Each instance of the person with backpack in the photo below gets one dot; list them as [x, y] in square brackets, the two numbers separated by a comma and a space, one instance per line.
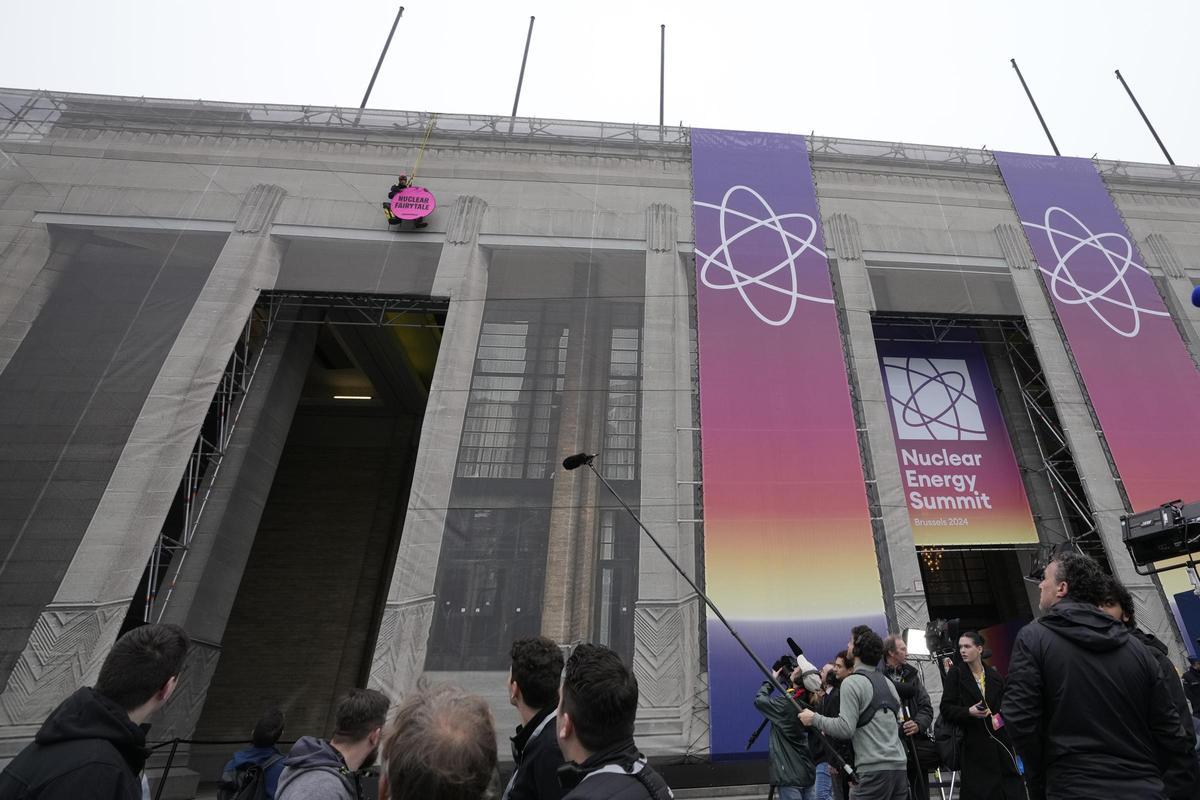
[869, 708]
[596, 711]
[253, 772]
[319, 769]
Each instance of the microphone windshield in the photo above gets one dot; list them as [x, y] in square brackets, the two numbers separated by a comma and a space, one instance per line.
[576, 461]
[796, 649]
[1196, 296]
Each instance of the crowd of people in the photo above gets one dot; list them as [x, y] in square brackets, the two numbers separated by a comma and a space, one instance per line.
[1092, 707]
[575, 740]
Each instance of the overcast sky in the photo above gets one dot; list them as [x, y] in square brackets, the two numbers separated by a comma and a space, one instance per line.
[929, 72]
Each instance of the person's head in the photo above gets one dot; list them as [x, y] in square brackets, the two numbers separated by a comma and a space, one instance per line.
[866, 647]
[826, 674]
[855, 632]
[1072, 576]
[533, 677]
[142, 669]
[359, 722]
[895, 651]
[440, 745]
[598, 702]
[1194, 663]
[841, 665]
[1117, 602]
[970, 647]
[268, 729]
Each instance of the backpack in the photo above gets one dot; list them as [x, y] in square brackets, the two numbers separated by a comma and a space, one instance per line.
[247, 782]
[881, 699]
[948, 738]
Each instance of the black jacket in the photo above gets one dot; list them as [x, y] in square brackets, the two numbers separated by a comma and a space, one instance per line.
[1191, 688]
[1089, 713]
[831, 706]
[87, 749]
[988, 769]
[1170, 678]
[913, 695]
[536, 760]
[791, 762]
[620, 773]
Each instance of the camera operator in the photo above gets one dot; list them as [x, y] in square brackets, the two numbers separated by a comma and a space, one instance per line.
[869, 717]
[915, 707]
[791, 762]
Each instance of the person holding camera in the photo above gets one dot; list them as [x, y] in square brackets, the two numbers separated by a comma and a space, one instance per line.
[971, 698]
[791, 767]
[869, 708]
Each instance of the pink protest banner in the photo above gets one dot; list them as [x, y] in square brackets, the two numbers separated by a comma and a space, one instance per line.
[413, 203]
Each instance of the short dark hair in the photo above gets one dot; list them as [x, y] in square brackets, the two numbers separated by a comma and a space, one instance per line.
[269, 728]
[141, 662]
[974, 636]
[600, 695]
[537, 666]
[1115, 593]
[1084, 578]
[891, 642]
[868, 647]
[441, 744]
[360, 712]
[844, 655]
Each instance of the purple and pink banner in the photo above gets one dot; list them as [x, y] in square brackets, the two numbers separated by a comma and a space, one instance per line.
[788, 543]
[961, 482]
[1138, 373]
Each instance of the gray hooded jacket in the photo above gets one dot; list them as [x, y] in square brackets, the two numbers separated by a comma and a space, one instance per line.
[315, 770]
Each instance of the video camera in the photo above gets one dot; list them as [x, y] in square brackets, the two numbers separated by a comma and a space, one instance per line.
[787, 663]
[941, 637]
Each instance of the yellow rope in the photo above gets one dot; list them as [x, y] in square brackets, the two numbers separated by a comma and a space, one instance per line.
[420, 153]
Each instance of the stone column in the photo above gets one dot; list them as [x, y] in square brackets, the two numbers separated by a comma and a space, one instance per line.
[208, 580]
[672, 712]
[1083, 438]
[74, 633]
[462, 275]
[898, 566]
[1167, 267]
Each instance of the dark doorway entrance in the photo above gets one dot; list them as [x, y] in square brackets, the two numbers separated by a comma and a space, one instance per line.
[303, 627]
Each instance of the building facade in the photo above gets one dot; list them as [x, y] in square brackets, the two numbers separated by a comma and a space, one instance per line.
[232, 397]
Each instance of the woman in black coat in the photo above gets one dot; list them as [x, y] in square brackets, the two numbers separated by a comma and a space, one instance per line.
[988, 768]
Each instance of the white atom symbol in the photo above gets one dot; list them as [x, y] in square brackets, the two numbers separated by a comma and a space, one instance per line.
[933, 398]
[1066, 288]
[793, 247]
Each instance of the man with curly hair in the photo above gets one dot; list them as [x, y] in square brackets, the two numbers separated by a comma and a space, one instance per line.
[1086, 706]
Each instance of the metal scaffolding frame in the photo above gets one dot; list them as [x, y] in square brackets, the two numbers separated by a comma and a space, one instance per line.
[225, 409]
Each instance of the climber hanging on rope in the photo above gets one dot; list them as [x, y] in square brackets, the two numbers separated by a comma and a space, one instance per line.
[402, 183]
[406, 200]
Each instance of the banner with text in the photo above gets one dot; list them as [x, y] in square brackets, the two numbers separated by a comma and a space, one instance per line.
[1137, 371]
[788, 543]
[960, 476]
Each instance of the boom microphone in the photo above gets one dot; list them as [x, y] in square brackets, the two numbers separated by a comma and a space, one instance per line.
[1196, 296]
[576, 461]
[797, 650]
[580, 459]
